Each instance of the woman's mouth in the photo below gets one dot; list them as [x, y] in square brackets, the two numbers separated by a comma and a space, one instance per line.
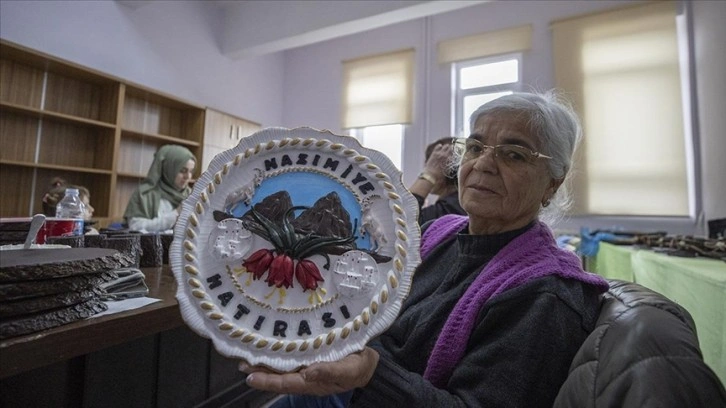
[483, 189]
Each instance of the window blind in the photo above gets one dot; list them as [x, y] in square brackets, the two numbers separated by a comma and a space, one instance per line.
[378, 90]
[485, 44]
[621, 70]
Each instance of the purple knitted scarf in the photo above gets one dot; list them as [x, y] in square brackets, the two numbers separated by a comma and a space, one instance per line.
[533, 254]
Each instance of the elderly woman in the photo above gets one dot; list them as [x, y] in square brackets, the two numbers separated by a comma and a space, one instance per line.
[496, 311]
[438, 178]
[154, 206]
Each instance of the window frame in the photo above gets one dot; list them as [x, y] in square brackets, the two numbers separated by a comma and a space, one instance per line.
[457, 114]
[359, 134]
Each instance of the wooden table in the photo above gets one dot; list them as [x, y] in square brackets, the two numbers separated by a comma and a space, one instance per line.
[24, 353]
[125, 359]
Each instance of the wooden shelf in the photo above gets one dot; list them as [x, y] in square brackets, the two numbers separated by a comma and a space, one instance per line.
[158, 116]
[132, 175]
[44, 62]
[59, 119]
[30, 182]
[55, 167]
[159, 98]
[159, 138]
[63, 91]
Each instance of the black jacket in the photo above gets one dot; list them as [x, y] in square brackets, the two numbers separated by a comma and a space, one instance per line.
[643, 353]
[519, 351]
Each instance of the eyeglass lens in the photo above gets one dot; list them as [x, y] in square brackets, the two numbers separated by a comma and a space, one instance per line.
[511, 154]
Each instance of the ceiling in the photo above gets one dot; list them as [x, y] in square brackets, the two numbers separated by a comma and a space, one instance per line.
[253, 27]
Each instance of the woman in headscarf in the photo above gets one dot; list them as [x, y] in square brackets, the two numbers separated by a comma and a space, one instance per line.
[154, 206]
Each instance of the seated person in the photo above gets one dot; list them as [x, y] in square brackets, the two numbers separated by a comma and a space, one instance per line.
[154, 206]
[438, 178]
[496, 311]
[57, 191]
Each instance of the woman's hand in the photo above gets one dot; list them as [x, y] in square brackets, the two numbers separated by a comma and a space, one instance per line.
[438, 161]
[353, 371]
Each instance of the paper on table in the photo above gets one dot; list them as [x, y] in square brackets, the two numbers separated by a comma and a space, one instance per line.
[118, 306]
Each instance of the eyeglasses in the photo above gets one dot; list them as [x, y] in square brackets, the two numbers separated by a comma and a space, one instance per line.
[472, 149]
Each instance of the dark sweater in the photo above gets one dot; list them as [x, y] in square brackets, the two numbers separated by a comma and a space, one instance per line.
[448, 204]
[518, 354]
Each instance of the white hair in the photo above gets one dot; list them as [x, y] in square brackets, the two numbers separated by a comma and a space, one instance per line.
[555, 123]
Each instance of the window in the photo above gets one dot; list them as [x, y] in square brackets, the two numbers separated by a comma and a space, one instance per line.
[480, 81]
[378, 90]
[387, 139]
[623, 71]
[377, 95]
[485, 66]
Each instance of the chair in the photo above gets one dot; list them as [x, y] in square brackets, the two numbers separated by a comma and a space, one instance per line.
[643, 353]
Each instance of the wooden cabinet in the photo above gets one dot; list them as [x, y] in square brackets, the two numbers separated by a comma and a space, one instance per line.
[58, 119]
[223, 131]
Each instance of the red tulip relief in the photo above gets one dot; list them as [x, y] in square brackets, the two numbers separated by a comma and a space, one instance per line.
[289, 258]
[258, 262]
[281, 271]
[307, 273]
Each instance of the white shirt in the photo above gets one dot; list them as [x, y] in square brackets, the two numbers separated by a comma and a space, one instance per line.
[164, 221]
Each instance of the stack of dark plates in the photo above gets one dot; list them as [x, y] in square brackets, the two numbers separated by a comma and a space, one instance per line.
[45, 288]
[14, 230]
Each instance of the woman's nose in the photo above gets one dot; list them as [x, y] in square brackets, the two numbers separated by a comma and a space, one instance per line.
[487, 161]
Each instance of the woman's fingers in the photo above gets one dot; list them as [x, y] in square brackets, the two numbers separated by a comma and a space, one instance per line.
[288, 383]
[439, 159]
[292, 383]
[351, 372]
[245, 367]
[355, 370]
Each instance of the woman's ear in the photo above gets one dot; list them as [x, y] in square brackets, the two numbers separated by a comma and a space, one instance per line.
[555, 184]
[552, 189]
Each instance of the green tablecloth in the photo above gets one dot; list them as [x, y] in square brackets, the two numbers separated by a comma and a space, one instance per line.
[697, 284]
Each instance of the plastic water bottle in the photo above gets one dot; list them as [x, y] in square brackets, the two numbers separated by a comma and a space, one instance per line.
[71, 207]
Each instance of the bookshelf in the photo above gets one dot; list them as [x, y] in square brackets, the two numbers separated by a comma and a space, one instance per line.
[59, 119]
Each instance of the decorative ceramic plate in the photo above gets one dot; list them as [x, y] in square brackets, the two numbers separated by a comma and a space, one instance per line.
[295, 246]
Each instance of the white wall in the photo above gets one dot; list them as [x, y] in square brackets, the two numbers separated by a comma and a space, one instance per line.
[313, 91]
[168, 46]
[313, 73]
